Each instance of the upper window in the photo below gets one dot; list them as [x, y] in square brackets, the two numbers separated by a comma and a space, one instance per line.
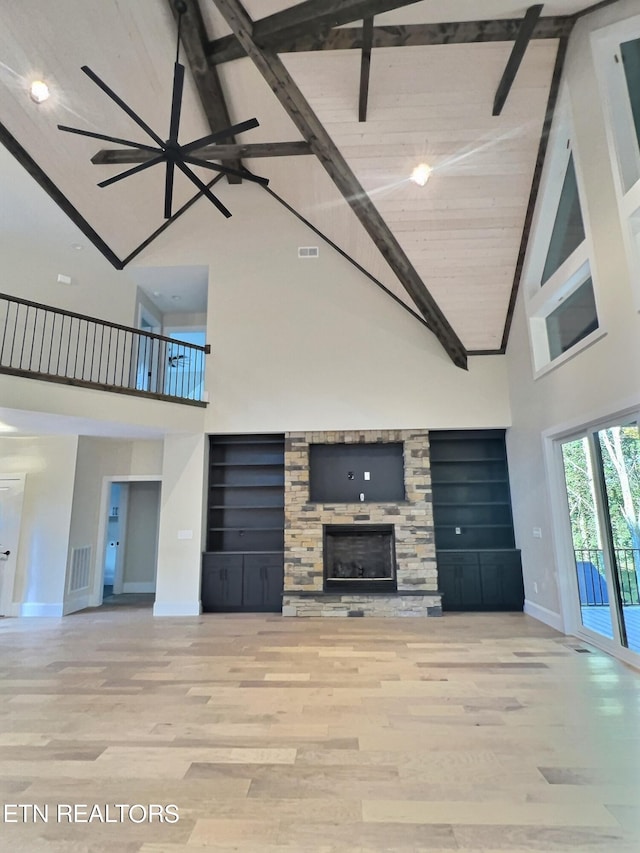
[568, 228]
[561, 304]
[630, 52]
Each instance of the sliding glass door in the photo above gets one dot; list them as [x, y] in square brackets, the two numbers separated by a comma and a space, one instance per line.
[602, 478]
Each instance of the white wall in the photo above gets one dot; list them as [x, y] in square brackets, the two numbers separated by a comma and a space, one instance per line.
[49, 464]
[599, 381]
[99, 458]
[313, 344]
[181, 538]
[141, 544]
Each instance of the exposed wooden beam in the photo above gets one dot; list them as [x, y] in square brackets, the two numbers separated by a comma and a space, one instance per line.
[224, 153]
[311, 16]
[193, 36]
[285, 89]
[517, 55]
[406, 35]
[535, 184]
[44, 181]
[365, 68]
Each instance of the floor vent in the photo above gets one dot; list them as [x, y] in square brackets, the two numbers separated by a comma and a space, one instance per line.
[80, 568]
[308, 251]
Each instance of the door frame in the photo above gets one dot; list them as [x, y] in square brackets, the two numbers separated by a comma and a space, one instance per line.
[552, 440]
[102, 540]
[7, 605]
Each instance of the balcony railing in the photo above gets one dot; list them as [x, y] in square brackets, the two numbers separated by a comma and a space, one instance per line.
[60, 346]
[592, 583]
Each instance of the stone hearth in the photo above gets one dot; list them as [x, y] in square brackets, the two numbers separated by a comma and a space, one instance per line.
[412, 519]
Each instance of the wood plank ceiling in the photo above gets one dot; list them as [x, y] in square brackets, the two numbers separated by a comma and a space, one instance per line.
[371, 87]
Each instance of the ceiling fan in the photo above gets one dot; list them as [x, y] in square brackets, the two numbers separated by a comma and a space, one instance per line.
[170, 151]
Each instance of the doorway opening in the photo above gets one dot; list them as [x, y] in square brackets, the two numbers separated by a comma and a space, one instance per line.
[11, 499]
[130, 553]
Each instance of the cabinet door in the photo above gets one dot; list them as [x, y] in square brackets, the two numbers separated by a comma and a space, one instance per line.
[501, 577]
[459, 580]
[221, 582]
[263, 582]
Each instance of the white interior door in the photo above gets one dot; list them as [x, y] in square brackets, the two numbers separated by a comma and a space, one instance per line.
[11, 497]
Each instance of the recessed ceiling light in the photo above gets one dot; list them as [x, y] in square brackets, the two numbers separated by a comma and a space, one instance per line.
[77, 246]
[156, 293]
[39, 91]
[176, 298]
[421, 174]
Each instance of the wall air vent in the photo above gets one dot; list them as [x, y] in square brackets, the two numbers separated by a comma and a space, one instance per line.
[80, 568]
[308, 251]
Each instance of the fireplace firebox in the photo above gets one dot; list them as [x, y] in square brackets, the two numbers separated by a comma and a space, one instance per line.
[359, 558]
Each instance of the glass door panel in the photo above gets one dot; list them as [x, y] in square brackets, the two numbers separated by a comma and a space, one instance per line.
[619, 448]
[586, 535]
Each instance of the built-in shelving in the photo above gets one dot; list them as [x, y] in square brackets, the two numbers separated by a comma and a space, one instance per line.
[243, 564]
[478, 565]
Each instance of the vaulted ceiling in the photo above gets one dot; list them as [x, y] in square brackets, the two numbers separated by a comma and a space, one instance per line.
[364, 90]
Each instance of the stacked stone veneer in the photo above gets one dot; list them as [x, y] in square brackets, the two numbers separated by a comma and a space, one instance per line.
[412, 518]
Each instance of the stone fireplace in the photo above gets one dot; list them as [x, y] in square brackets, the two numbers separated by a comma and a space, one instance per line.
[328, 567]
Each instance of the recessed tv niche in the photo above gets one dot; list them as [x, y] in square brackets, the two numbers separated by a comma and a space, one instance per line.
[356, 473]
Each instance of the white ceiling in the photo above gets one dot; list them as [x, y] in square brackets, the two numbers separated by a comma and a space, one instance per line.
[461, 232]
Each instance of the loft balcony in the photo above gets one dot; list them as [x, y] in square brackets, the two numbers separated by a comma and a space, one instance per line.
[41, 342]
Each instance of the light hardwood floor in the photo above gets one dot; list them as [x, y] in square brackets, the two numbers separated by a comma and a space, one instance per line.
[470, 732]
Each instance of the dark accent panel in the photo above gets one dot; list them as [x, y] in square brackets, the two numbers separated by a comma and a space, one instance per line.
[535, 184]
[337, 473]
[312, 16]
[454, 32]
[117, 156]
[11, 144]
[280, 81]
[517, 55]
[194, 37]
[365, 68]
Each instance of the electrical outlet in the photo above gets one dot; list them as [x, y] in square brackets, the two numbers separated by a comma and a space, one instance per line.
[458, 531]
[367, 475]
[537, 533]
[535, 587]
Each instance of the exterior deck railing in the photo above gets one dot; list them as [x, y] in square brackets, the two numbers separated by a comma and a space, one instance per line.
[46, 343]
[592, 582]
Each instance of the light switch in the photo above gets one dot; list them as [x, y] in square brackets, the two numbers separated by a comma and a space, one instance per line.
[367, 475]
[458, 531]
[537, 533]
[361, 496]
[185, 534]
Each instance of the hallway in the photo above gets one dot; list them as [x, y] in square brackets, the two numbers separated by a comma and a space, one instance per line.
[478, 732]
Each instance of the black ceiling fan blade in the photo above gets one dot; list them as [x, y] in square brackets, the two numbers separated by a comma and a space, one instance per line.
[212, 138]
[118, 100]
[176, 101]
[139, 168]
[227, 170]
[168, 189]
[103, 136]
[203, 188]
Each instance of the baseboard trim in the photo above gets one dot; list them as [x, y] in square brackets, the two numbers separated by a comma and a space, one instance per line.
[139, 586]
[542, 614]
[177, 608]
[35, 608]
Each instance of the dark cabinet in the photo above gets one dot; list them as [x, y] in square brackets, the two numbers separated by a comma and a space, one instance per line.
[243, 566]
[480, 580]
[478, 565]
[242, 582]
